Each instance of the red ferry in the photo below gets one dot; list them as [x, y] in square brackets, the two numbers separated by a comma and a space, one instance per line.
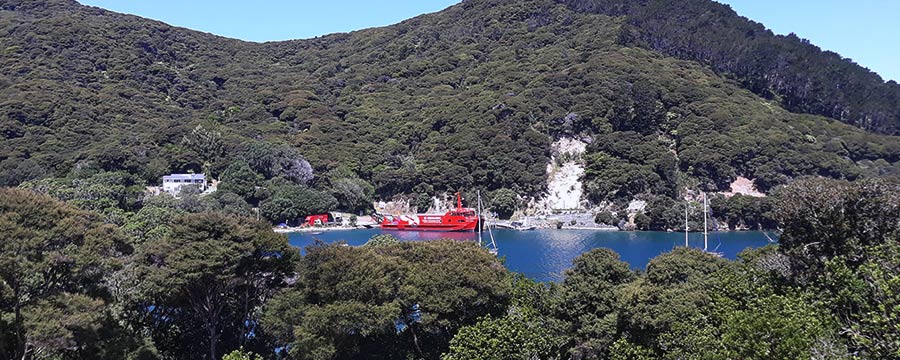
[459, 219]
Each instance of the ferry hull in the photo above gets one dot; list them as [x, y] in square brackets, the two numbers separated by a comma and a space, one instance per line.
[467, 226]
[459, 219]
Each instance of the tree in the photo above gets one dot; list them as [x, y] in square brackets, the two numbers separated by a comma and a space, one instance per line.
[587, 301]
[353, 194]
[606, 218]
[663, 214]
[273, 160]
[241, 354]
[291, 203]
[15, 171]
[665, 310]
[843, 241]
[207, 143]
[825, 219]
[229, 203]
[53, 259]
[381, 240]
[642, 221]
[402, 299]
[240, 179]
[515, 336]
[505, 202]
[208, 278]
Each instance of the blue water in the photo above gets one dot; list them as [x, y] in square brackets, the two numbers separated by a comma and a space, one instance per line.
[543, 255]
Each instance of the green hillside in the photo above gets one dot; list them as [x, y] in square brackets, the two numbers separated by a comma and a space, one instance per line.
[469, 97]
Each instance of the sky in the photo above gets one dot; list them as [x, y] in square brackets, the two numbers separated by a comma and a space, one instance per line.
[863, 30]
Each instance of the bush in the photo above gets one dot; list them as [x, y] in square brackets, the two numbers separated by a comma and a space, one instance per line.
[504, 202]
[605, 218]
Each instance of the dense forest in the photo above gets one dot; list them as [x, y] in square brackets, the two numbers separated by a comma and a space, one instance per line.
[468, 98]
[799, 75]
[671, 97]
[177, 281]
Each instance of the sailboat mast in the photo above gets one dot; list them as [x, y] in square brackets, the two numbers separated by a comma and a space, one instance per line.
[686, 224]
[705, 231]
[480, 226]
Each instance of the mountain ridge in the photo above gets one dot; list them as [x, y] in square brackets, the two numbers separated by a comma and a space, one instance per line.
[416, 107]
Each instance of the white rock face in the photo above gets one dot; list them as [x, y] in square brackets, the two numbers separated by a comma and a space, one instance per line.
[743, 186]
[564, 188]
[636, 206]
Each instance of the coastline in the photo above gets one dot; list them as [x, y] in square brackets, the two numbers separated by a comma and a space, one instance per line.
[290, 230]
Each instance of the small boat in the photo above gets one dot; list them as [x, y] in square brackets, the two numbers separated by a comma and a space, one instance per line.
[316, 233]
[459, 219]
[516, 225]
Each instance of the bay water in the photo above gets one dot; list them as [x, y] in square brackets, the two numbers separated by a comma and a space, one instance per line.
[544, 255]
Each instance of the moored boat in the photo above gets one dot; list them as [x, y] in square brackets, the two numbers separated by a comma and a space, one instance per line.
[458, 219]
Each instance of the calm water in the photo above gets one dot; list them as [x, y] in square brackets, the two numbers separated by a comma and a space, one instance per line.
[543, 255]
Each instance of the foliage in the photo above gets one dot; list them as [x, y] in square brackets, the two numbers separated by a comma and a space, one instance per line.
[207, 280]
[606, 218]
[291, 203]
[393, 300]
[504, 202]
[516, 336]
[240, 179]
[278, 161]
[353, 194]
[382, 240]
[403, 108]
[241, 354]
[586, 301]
[713, 34]
[741, 210]
[842, 240]
[53, 259]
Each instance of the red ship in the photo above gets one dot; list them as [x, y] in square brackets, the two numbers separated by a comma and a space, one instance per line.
[459, 219]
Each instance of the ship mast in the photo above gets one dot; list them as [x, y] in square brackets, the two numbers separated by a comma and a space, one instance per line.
[480, 226]
[705, 231]
[493, 249]
[686, 224]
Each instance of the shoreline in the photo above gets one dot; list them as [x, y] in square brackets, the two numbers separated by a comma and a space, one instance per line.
[292, 230]
[289, 230]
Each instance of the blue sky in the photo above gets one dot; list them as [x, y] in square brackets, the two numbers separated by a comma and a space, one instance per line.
[864, 30]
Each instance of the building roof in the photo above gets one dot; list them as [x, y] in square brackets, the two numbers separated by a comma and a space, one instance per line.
[185, 177]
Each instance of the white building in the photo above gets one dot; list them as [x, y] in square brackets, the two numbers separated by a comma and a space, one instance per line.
[172, 184]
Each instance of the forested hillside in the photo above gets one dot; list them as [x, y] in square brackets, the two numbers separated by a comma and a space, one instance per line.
[466, 98]
[799, 75]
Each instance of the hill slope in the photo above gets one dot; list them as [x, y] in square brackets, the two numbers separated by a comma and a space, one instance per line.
[470, 97]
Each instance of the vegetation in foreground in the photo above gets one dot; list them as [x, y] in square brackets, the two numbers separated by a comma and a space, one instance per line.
[169, 284]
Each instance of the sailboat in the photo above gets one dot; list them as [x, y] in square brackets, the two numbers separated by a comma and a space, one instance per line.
[481, 224]
[705, 228]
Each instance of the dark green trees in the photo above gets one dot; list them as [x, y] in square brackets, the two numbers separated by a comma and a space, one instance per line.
[504, 202]
[205, 282]
[383, 302]
[290, 204]
[53, 260]
[842, 240]
[587, 302]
